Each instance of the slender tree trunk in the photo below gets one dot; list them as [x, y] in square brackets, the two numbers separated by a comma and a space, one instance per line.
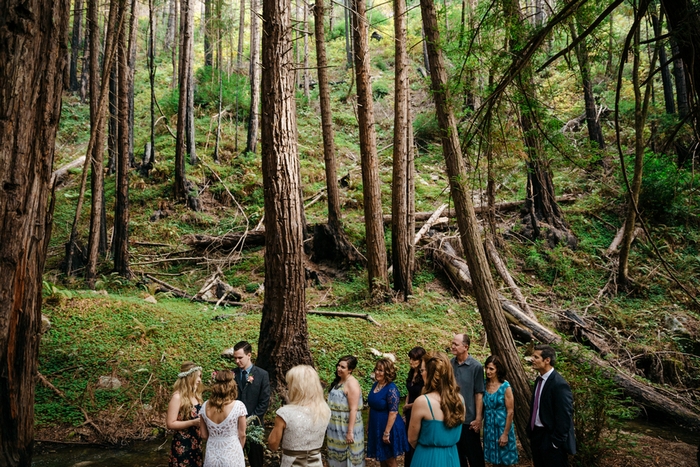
[97, 239]
[183, 189]
[131, 65]
[120, 246]
[114, 25]
[330, 241]
[496, 327]
[112, 135]
[206, 26]
[348, 40]
[283, 328]
[176, 41]
[31, 82]
[641, 105]
[305, 27]
[152, 80]
[595, 133]
[169, 43]
[376, 249]
[189, 123]
[75, 44]
[402, 212]
[241, 30]
[665, 72]
[253, 115]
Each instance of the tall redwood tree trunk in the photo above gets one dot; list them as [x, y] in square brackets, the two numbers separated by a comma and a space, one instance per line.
[253, 115]
[33, 38]
[283, 329]
[402, 208]
[499, 337]
[374, 226]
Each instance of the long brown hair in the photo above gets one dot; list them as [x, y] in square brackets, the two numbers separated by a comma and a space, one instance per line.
[185, 386]
[439, 377]
[224, 389]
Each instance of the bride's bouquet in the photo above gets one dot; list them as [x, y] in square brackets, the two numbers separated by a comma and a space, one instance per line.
[254, 432]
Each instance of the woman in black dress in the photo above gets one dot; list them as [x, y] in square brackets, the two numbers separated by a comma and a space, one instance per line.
[183, 418]
[414, 385]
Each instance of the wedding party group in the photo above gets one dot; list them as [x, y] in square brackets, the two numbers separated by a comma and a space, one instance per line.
[450, 402]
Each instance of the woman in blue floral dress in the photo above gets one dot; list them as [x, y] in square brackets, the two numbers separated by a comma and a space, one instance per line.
[386, 433]
[499, 433]
[183, 418]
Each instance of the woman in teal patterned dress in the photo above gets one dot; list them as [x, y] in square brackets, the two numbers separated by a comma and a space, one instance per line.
[437, 415]
[499, 433]
[345, 436]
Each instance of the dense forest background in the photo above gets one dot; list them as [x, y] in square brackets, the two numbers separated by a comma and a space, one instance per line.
[234, 170]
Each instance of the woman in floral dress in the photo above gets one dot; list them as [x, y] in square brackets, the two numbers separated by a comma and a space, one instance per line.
[183, 418]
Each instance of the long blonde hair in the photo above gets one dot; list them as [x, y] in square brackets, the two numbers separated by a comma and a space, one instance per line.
[439, 377]
[188, 388]
[304, 389]
[224, 389]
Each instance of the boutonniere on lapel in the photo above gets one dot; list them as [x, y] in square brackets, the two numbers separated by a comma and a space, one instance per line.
[250, 379]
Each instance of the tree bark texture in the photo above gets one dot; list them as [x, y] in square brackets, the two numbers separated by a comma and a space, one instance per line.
[640, 115]
[120, 245]
[207, 25]
[33, 38]
[332, 191]
[595, 133]
[175, 44]
[497, 331]
[402, 208]
[182, 188]
[371, 184]
[75, 44]
[241, 30]
[97, 239]
[283, 328]
[169, 40]
[666, 80]
[253, 115]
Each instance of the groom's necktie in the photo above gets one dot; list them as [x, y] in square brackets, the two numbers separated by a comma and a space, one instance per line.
[243, 377]
[536, 403]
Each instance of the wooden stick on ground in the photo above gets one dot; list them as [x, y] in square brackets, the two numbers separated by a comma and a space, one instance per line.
[431, 221]
[342, 314]
[178, 292]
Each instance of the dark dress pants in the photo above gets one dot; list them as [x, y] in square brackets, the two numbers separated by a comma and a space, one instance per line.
[544, 454]
[471, 454]
[256, 454]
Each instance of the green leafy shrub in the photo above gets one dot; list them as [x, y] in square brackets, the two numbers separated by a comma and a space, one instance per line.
[379, 90]
[426, 129]
[234, 91]
[665, 189]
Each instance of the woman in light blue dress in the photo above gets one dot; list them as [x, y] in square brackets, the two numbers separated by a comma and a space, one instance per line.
[437, 415]
[499, 433]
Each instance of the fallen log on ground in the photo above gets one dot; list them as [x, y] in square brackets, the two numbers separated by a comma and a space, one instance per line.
[641, 392]
[342, 314]
[60, 173]
[499, 207]
[228, 242]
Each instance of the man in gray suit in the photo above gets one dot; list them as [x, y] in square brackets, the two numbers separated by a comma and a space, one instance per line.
[254, 391]
[551, 426]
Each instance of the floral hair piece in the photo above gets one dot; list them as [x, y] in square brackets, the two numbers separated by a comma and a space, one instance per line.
[184, 374]
[213, 376]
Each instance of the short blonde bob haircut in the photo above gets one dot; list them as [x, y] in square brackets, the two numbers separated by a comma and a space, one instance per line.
[304, 389]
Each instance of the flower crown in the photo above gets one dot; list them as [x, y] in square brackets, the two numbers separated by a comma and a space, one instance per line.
[184, 374]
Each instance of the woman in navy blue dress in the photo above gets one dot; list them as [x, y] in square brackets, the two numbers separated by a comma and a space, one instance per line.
[414, 386]
[386, 432]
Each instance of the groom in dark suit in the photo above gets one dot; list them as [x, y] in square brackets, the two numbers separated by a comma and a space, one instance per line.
[551, 426]
[254, 391]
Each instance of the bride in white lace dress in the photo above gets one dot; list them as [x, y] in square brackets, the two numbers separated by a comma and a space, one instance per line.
[300, 426]
[223, 423]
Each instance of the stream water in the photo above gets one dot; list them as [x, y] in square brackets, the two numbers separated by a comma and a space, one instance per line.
[155, 453]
